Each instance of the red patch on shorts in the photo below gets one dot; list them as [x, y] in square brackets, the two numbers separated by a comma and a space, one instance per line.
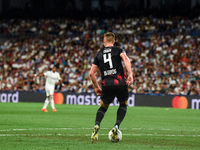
[119, 77]
[116, 82]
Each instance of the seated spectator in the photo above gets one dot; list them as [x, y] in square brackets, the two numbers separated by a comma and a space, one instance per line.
[162, 63]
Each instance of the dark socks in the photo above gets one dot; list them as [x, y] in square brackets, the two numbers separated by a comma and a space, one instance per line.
[121, 114]
[99, 116]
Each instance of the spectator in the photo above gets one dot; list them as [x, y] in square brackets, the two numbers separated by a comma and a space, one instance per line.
[163, 62]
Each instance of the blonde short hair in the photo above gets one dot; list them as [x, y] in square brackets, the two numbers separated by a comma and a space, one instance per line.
[109, 37]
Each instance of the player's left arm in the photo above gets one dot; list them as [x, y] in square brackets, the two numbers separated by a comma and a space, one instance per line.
[127, 63]
[93, 70]
[60, 80]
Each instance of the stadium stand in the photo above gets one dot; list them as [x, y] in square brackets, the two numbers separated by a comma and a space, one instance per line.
[164, 52]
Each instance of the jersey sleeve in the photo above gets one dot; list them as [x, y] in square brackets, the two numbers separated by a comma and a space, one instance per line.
[46, 73]
[59, 78]
[122, 51]
[96, 62]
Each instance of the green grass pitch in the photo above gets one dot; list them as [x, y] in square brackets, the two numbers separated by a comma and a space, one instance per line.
[23, 126]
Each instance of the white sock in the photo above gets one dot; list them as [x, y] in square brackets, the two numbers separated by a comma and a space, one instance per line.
[46, 103]
[52, 102]
[116, 126]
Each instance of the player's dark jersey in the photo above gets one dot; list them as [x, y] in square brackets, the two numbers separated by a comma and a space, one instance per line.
[109, 62]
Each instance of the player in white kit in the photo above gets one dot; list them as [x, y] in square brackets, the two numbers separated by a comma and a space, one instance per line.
[52, 78]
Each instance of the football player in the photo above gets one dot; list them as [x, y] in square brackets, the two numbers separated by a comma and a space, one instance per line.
[114, 82]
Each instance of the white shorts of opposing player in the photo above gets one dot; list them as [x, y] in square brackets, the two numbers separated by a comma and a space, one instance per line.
[49, 97]
[51, 79]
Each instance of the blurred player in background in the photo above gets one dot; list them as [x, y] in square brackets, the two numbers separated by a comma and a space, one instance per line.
[114, 82]
[52, 78]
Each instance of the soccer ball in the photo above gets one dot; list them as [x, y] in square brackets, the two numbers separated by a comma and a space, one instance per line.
[119, 136]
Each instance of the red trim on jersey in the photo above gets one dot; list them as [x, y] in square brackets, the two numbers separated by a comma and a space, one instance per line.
[103, 82]
[116, 82]
[124, 76]
[119, 77]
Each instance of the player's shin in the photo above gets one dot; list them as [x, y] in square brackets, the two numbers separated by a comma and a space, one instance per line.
[99, 116]
[51, 102]
[46, 103]
[121, 112]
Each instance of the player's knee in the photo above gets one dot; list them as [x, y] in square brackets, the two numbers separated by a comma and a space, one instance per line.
[124, 102]
[105, 106]
[103, 109]
[123, 105]
[50, 97]
[102, 104]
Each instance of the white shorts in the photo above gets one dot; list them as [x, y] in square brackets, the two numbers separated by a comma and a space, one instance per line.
[49, 91]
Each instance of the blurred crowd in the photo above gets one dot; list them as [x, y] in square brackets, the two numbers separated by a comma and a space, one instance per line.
[96, 26]
[164, 53]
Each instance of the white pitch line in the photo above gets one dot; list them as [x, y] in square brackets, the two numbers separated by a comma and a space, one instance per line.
[54, 129]
[59, 134]
[151, 129]
[18, 129]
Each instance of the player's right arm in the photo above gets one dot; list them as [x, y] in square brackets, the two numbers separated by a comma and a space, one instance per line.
[39, 74]
[127, 63]
[93, 70]
[36, 75]
[60, 80]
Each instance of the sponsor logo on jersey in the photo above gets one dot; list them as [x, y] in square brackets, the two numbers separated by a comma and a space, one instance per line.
[52, 78]
[110, 72]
